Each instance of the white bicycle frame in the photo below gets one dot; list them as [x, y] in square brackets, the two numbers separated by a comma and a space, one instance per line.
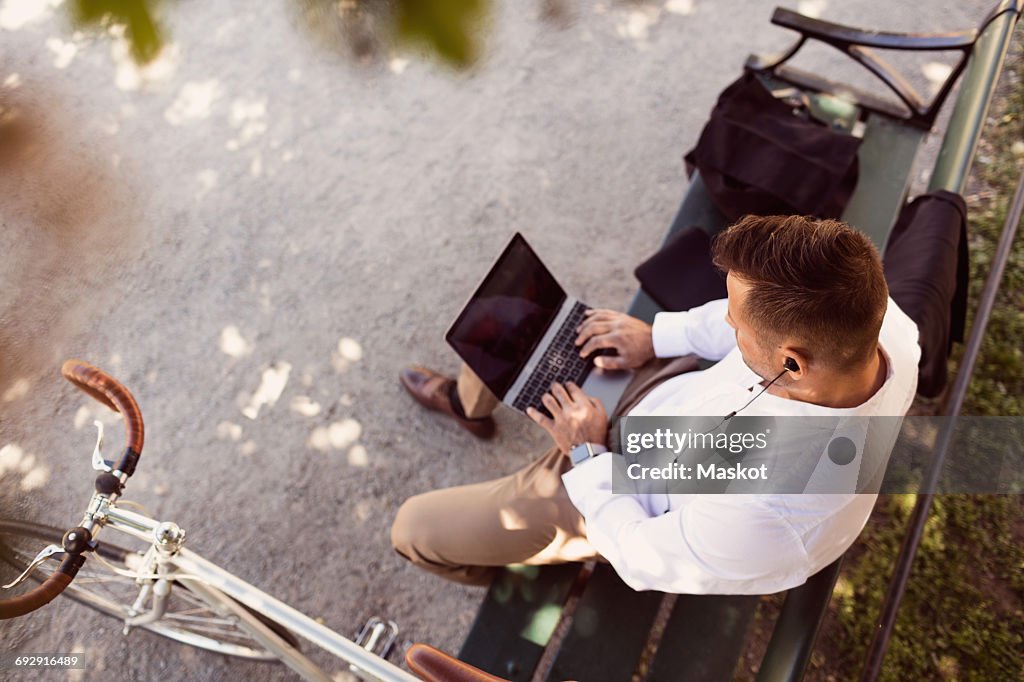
[218, 587]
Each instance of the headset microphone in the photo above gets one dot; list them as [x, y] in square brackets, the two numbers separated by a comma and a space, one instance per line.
[790, 365]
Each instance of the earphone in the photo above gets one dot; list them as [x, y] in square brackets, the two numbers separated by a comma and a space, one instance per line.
[790, 365]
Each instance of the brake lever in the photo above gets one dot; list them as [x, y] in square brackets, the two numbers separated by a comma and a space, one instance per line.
[98, 463]
[40, 558]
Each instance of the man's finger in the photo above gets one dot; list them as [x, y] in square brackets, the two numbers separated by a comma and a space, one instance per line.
[597, 343]
[590, 329]
[558, 390]
[599, 311]
[599, 316]
[610, 362]
[576, 392]
[550, 403]
[538, 417]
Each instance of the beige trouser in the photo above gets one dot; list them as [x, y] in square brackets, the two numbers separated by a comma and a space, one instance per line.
[465, 533]
[477, 400]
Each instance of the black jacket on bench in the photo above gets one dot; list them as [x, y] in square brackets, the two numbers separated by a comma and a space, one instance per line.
[926, 268]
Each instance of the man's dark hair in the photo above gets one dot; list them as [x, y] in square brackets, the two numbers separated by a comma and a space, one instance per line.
[819, 281]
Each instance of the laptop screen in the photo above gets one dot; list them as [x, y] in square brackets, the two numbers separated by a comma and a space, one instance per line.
[497, 331]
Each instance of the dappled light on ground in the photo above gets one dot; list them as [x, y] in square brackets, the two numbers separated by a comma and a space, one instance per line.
[358, 457]
[812, 8]
[207, 180]
[305, 406]
[232, 343]
[19, 388]
[346, 354]
[94, 411]
[364, 508]
[336, 436]
[16, 14]
[194, 102]
[229, 431]
[339, 436]
[129, 74]
[683, 7]
[272, 383]
[635, 21]
[397, 65]
[937, 73]
[63, 52]
[14, 461]
[638, 22]
[249, 118]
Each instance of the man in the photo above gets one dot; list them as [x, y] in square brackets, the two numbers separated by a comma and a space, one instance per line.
[807, 318]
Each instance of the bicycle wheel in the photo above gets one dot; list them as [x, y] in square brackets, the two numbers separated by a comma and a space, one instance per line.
[188, 618]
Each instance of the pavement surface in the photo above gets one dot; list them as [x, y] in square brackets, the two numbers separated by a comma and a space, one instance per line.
[256, 233]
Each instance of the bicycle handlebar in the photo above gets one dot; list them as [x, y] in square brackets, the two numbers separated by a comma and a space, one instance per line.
[49, 590]
[112, 393]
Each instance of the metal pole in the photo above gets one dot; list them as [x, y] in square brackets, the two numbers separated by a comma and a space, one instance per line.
[968, 118]
[918, 517]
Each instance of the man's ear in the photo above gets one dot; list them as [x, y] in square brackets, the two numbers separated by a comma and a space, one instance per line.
[793, 361]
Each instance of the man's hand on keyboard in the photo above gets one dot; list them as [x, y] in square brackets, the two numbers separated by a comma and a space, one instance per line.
[629, 337]
[575, 417]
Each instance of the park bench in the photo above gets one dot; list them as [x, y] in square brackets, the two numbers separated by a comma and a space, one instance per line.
[702, 637]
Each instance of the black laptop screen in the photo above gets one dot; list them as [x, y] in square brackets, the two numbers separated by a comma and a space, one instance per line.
[502, 324]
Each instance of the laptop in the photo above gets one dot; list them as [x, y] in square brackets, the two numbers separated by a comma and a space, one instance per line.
[518, 333]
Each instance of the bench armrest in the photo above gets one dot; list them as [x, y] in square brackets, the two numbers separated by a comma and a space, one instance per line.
[844, 36]
[858, 44]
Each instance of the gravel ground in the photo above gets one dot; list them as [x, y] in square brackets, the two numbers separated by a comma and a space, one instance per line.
[255, 234]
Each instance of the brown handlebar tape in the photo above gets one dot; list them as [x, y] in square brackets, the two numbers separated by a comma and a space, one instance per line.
[39, 597]
[111, 393]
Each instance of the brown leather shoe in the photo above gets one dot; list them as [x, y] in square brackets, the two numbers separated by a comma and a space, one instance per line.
[433, 391]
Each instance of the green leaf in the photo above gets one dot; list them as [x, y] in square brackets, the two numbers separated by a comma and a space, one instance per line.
[449, 27]
[141, 30]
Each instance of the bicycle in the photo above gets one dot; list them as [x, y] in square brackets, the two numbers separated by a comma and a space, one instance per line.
[166, 588]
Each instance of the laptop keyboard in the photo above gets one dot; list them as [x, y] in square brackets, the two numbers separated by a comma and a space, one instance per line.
[561, 363]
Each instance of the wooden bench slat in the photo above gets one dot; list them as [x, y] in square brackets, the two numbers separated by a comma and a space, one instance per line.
[703, 639]
[609, 630]
[516, 619]
[886, 159]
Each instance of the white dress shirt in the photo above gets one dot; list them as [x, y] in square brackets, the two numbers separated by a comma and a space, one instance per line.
[731, 543]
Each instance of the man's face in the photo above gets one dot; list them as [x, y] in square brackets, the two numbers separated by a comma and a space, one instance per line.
[756, 354]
